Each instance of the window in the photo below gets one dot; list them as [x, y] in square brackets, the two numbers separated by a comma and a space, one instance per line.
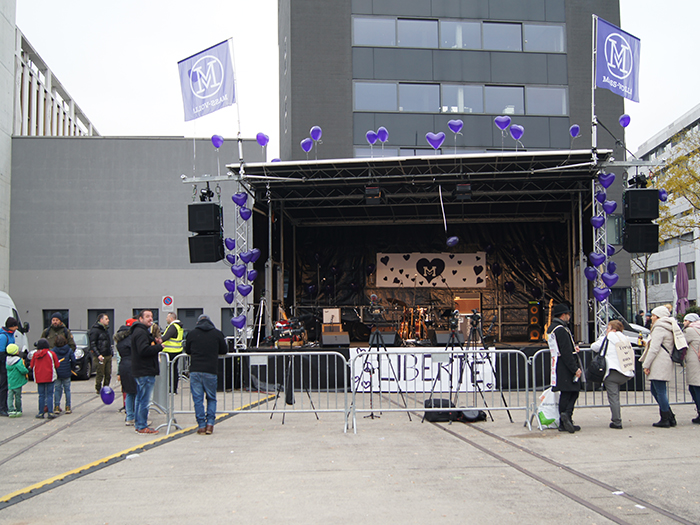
[501, 100]
[418, 152]
[419, 97]
[374, 31]
[664, 276]
[544, 38]
[546, 101]
[690, 268]
[503, 37]
[379, 151]
[462, 99]
[417, 33]
[188, 317]
[375, 96]
[460, 35]
[614, 229]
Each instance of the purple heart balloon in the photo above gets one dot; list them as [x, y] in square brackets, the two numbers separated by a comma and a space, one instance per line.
[238, 322]
[311, 289]
[601, 196]
[612, 267]
[609, 207]
[316, 133]
[574, 131]
[217, 140]
[610, 278]
[244, 289]
[255, 254]
[606, 179]
[246, 257]
[276, 160]
[590, 273]
[596, 258]
[517, 131]
[502, 122]
[663, 195]
[601, 294]
[238, 270]
[382, 134]
[245, 213]
[452, 241]
[262, 139]
[435, 139]
[624, 120]
[230, 243]
[509, 286]
[252, 275]
[597, 221]
[536, 292]
[455, 125]
[228, 297]
[610, 250]
[307, 144]
[231, 258]
[230, 285]
[371, 136]
[240, 199]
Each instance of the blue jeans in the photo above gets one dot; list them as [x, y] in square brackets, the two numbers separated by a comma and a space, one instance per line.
[61, 385]
[129, 404]
[202, 383]
[45, 396]
[658, 390]
[144, 389]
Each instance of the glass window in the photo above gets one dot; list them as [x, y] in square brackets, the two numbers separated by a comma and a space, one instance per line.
[503, 37]
[418, 152]
[690, 268]
[365, 152]
[375, 96]
[462, 99]
[543, 38]
[546, 101]
[374, 31]
[419, 97]
[460, 35]
[501, 100]
[417, 33]
[663, 274]
[614, 230]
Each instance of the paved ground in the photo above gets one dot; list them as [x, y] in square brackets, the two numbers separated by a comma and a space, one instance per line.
[254, 469]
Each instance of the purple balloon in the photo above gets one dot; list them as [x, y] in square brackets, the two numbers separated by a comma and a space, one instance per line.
[612, 267]
[590, 273]
[217, 140]
[517, 131]
[307, 144]
[536, 292]
[606, 179]
[525, 266]
[502, 122]
[240, 199]
[228, 297]
[252, 275]
[382, 134]
[509, 286]
[455, 125]
[245, 213]
[610, 278]
[489, 249]
[624, 120]
[371, 136]
[663, 195]
[239, 322]
[244, 289]
[262, 139]
[610, 250]
[601, 294]
[255, 254]
[496, 269]
[452, 241]
[597, 221]
[316, 132]
[609, 207]
[601, 196]
[596, 258]
[574, 131]
[246, 257]
[311, 289]
[334, 270]
[107, 395]
[276, 160]
[230, 285]
[231, 258]
[370, 268]
[552, 285]
[230, 243]
[238, 270]
[435, 139]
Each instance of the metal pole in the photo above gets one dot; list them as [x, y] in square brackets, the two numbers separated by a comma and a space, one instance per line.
[594, 121]
[269, 267]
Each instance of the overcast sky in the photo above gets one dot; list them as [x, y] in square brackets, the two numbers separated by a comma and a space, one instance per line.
[118, 60]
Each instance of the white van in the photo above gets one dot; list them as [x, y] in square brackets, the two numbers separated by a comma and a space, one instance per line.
[8, 309]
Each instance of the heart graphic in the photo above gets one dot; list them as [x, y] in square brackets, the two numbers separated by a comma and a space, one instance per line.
[391, 269]
[252, 275]
[478, 270]
[459, 262]
[454, 272]
[385, 279]
[435, 139]
[434, 284]
[401, 271]
[365, 384]
[371, 136]
[478, 258]
[452, 256]
[396, 280]
[430, 269]
[406, 257]
[479, 280]
[612, 267]
[384, 260]
[455, 125]
[421, 283]
[464, 279]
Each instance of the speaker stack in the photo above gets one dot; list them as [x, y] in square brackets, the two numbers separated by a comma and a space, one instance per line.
[535, 321]
[204, 219]
[641, 206]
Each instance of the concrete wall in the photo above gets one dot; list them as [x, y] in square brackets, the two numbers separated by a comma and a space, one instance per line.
[7, 82]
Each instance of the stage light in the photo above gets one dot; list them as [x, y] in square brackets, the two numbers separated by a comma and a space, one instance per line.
[463, 192]
[373, 195]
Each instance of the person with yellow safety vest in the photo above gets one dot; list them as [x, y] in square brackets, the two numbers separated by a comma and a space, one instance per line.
[173, 338]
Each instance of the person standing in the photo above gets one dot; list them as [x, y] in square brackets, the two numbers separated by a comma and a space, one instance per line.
[16, 379]
[66, 360]
[691, 323]
[57, 327]
[123, 341]
[44, 364]
[204, 345]
[566, 372]
[7, 337]
[639, 318]
[144, 367]
[173, 337]
[101, 350]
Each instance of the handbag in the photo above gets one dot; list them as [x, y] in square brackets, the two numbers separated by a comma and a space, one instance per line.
[595, 371]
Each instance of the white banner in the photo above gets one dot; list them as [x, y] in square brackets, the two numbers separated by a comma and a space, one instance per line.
[431, 270]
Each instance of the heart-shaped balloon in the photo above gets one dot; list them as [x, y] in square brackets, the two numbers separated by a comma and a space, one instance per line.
[610, 278]
[262, 139]
[496, 269]
[609, 207]
[244, 289]
[552, 285]
[509, 286]
[596, 258]
[230, 243]
[601, 196]
[517, 131]
[276, 160]
[238, 322]
[252, 275]
[245, 213]
[231, 258]
[597, 221]
[316, 133]
[610, 250]
[255, 254]
[382, 134]
[238, 270]
[502, 122]
[230, 285]
[307, 144]
[311, 289]
[217, 140]
[574, 131]
[606, 179]
[612, 267]
[246, 257]
[371, 136]
[228, 297]
[624, 120]
[240, 199]
[663, 195]
[536, 292]
[601, 294]
[590, 273]
[435, 139]
[455, 125]
[452, 241]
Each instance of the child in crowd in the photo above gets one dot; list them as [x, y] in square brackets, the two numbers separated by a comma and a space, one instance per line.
[44, 364]
[16, 379]
[66, 361]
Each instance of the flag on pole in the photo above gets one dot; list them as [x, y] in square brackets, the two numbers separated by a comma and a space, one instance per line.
[617, 64]
[206, 80]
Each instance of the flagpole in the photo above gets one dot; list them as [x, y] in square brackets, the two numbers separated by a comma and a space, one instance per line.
[237, 104]
[594, 53]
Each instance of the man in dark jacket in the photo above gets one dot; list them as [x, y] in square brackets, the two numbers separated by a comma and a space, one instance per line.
[123, 341]
[566, 372]
[57, 327]
[101, 350]
[204, 345]
[144, 366]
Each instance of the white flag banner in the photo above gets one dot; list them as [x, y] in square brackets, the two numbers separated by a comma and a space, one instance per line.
[431, 270]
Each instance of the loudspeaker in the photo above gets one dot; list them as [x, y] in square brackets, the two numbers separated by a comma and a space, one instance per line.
[441, 337]
[641, 238]
[204, 217]
[535, 320]
[335, 339]
[206, 248]
[641, 204]
[389, 337]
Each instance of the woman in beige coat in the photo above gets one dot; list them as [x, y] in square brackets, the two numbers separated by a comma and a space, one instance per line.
[691, 323]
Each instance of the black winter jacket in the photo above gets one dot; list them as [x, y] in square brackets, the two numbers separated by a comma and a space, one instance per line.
[144, 351]
[205, 344]
[567, 363]
[123, 340]
[100, 342]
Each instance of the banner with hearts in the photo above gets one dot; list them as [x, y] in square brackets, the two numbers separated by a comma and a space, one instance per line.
[431, 270]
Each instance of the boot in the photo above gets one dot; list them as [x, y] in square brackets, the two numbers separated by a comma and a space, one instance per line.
[566, 423]
[664, 422]
[571, 417]
[672, 418]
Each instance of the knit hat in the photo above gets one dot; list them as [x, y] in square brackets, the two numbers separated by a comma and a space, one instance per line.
[57, 315]
[129, 322]
[203, 317]
[41, 344]
[11, 322]
[560, 309]
[692, 317]
[660, 311]
[12, 349]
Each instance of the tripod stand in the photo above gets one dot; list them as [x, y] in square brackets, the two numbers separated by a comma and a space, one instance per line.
[287, 385]
[452, 341]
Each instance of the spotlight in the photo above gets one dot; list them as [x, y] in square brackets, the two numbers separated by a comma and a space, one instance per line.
[463, 192]
[373, 195]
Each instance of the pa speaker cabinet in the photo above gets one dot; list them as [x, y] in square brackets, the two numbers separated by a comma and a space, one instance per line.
[388, 337]
[335, 339]
[641, 204]
[442, 337]
[204, 217]
[535, 319]
[205, 248]
[641, 238]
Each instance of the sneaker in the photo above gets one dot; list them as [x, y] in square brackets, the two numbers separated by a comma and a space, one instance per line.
[146, 430]
[4, 413]
[52, 415]
[57, 410]
[617, 426]
[15, 414]
[696, 420]
[40, 415]
[129, 422]
[68, 410]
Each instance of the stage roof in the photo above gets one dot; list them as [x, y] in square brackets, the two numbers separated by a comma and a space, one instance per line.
[505, 186]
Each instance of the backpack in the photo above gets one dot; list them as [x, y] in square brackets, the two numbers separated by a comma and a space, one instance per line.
[677, 354]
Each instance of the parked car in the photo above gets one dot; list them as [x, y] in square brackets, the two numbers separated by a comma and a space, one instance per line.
[83, 360]
[631, 330]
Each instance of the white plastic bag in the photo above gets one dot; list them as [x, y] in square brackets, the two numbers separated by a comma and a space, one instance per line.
[548, 409]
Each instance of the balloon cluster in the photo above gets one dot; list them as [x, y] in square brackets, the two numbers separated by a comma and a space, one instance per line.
[308, 143]
[381, 135]
[516, 131]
